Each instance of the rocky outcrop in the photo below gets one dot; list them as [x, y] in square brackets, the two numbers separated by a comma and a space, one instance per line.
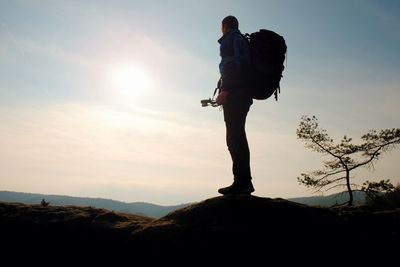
[236, 225]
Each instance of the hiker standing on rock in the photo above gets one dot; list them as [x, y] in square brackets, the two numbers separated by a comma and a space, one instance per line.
[236, 100]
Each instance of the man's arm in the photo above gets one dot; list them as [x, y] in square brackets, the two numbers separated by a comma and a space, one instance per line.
[238, 50]
[232, 71]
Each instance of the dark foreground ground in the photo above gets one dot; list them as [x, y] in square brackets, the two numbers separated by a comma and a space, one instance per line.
[231, 228]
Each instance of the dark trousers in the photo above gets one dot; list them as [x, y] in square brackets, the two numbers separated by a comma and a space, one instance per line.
[236, 108]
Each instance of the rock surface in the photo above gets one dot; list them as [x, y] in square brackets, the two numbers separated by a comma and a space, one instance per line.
[229, 225]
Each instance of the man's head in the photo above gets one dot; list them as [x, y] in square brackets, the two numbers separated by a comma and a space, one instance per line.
[229, 23]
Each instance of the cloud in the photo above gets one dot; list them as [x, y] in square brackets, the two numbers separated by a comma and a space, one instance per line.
[81, 149]
[76, 144]
[60, 53]
[176, 72]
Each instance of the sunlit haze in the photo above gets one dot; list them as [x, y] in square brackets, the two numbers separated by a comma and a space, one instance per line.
[102, 98]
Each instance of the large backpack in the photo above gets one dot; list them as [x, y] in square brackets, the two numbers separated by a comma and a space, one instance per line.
[268, 52]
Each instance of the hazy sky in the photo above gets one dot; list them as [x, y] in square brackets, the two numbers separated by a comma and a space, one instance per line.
[102, 98]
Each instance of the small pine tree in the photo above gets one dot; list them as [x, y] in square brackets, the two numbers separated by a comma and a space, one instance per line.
[382, 195]
[44, 203]
[345, 157]
[375, 190]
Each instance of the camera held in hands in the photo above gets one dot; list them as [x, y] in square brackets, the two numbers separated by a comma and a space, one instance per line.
[210, 101]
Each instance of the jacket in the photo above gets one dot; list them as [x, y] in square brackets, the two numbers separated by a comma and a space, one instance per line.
[235, 60]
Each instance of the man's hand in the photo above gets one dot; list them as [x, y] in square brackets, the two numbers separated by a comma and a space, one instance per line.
[221, 98]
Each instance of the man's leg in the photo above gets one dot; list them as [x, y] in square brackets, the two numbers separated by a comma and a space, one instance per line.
[237, 144]
[235, 113]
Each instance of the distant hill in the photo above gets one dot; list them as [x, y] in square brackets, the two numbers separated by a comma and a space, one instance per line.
[153, 210]
[227, 229]
[139, 208]
[331, 200]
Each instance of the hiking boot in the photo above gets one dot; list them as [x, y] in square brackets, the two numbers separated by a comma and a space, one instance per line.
[237, 188]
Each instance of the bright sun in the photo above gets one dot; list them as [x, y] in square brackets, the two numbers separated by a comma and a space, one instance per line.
[130, 80]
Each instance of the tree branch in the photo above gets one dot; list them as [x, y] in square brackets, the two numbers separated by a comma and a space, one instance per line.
[323, 148]
[332, 173]
[372, 157]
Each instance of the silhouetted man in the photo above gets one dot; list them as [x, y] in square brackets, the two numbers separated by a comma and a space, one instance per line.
[236, 102]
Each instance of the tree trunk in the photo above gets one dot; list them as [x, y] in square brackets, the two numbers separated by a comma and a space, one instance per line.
[350, 203]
